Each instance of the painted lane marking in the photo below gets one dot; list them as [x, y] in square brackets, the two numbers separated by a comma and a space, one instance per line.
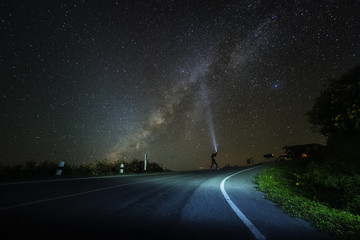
[242, 217]
[78, 194]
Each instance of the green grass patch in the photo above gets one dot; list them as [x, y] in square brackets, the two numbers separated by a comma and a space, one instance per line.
[281, 185]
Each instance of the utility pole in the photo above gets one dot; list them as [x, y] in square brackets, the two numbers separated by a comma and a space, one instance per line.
[145, 163]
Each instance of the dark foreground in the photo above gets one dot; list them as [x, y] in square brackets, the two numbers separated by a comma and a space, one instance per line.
[159, 206]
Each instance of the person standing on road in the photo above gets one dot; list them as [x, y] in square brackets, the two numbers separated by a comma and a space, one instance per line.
[213, 161]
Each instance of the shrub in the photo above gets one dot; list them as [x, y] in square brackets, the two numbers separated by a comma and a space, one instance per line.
[98, 168]
[278, 187]
[154, 167]
[135, 166]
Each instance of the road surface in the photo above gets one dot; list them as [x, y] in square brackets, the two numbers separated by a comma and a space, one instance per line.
[177, 205]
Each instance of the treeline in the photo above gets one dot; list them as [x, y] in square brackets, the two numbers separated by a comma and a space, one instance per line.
[105, 167]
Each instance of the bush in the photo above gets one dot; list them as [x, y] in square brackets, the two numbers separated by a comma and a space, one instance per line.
[98, 168]
[29, 169]
[135, 166]
[286, 187]
[331, 185]
[154, 167]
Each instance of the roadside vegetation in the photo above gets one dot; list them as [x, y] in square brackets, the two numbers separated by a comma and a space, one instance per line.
[324, 188]
[309, 191]
[98, 168]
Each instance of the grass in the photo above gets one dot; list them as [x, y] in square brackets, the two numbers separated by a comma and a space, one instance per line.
[289, 188]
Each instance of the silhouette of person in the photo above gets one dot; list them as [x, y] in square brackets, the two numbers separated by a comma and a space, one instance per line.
[213, 161]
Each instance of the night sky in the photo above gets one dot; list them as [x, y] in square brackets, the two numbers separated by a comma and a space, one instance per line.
[91, 80]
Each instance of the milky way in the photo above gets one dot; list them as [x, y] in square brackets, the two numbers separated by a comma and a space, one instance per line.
[90, 80]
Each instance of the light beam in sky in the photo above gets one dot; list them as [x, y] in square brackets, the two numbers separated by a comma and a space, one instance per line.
[209, 117]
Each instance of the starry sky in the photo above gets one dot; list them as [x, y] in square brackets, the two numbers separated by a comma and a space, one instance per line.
[91, 80]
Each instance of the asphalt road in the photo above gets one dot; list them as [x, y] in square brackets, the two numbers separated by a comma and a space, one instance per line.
[177, 205]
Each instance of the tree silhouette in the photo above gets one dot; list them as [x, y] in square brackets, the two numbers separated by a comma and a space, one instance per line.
[337, 109]
[336, 114]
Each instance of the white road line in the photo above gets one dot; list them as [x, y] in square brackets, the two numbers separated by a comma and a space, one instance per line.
[78, 194]
[243, 218]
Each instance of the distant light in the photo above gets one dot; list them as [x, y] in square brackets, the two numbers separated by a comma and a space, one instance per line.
[276, 85]
[304, 155]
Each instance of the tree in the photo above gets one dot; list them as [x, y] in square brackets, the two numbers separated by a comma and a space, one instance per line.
[337, 109]
[336, 114]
